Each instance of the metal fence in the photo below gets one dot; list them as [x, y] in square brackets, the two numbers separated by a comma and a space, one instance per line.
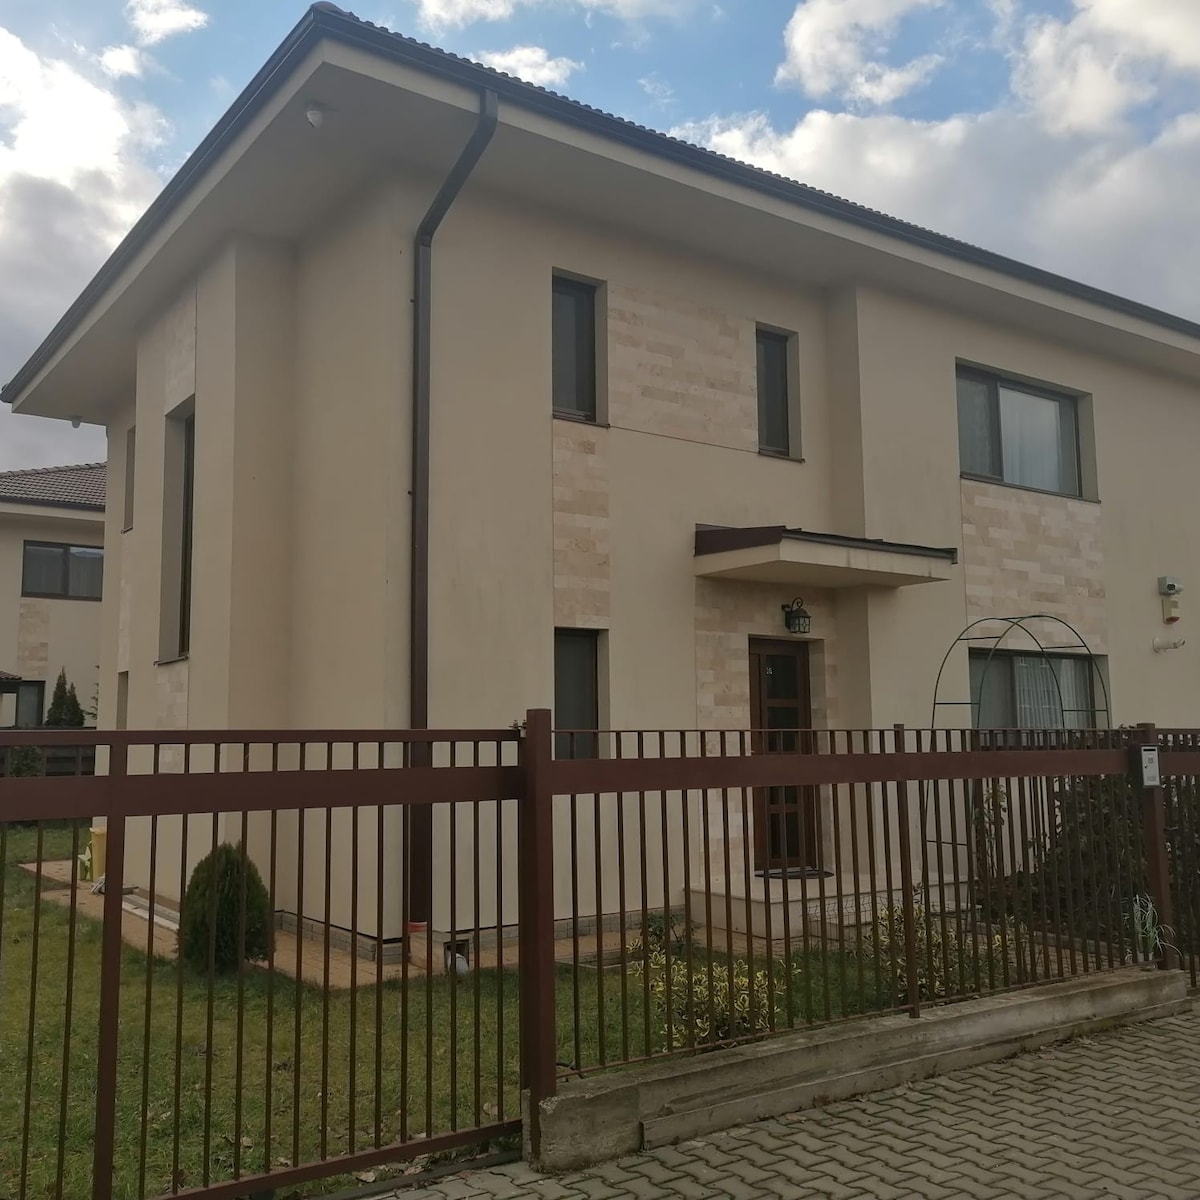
[412, 928]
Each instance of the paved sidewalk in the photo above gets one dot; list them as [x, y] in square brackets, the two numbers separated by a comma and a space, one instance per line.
[1117, 1115]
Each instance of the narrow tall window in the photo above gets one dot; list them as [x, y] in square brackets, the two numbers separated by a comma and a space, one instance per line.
[576, 693]
[573, 349]
[31, 704]
[185, 540]
[179, 469]
[1017, 434]
[773, 397]
[130, 455]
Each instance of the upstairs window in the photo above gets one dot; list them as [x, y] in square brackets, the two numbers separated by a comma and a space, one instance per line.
[1017, 434]
[62, 572]
[773, 397]
[574, 349]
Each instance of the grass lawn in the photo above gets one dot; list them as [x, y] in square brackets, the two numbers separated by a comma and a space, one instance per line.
[202, 1117]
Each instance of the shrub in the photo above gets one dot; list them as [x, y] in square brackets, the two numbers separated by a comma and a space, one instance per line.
[65, 711]
[955, 959]
[218, 884]
[704, 1017]
[25, 762]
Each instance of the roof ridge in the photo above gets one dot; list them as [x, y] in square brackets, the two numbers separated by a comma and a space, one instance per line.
[41, 470]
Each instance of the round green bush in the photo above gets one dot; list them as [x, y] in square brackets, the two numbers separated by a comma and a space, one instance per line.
[203, 939]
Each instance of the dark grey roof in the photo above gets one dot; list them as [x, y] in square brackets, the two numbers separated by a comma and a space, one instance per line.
[79, 486]
[325, 20]
[6, 677]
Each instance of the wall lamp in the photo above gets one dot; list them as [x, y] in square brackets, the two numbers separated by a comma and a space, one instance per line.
[796, 617]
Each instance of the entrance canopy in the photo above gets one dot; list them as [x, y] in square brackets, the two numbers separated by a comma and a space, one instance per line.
[776, 554]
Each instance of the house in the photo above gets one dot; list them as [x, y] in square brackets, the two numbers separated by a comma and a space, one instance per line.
[51, 571]
[433, 396]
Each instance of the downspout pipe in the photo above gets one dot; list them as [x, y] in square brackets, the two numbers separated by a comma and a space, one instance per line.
[420, 850]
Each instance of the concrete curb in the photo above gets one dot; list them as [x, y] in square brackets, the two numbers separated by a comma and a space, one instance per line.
[602, 1117]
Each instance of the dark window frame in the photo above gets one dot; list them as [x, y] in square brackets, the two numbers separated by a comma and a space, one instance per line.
[15, 689]
[1067, 401]
[1007, 658]
[65, 592]
[584, 370]
[186, 533]
[579, 743]
[130, 458]
[781, 343]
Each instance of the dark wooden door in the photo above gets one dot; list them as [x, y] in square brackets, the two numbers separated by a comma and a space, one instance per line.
[785, 820]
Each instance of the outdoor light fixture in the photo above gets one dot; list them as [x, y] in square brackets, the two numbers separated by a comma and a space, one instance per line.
[796, 617]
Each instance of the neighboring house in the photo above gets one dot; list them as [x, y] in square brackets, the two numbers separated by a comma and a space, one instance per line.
[51, 572]
[647, 375]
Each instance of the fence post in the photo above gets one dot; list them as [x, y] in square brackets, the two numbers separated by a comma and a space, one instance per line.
[535, 864]
[1154, 835]
[911, 967]
[110, 978]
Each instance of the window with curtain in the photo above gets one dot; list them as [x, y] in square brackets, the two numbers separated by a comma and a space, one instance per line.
[1017, 434]
[31, 704]
[62, 572]
[1032, 691]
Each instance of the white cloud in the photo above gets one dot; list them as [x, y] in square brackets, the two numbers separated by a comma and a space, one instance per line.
[532, 63]
[154, 20]
[119, 61]
[1114, 212]
[659, 90]
[446, 14]
[73, 177]
[832, 47]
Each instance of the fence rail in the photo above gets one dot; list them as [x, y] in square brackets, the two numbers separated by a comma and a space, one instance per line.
[410, 928]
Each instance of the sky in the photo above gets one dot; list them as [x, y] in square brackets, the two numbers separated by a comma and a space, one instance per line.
[1065, 133]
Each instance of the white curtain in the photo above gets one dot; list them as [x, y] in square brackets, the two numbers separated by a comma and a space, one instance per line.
[1031, 438]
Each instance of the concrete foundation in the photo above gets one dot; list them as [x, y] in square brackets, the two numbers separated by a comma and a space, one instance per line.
[598, 1118]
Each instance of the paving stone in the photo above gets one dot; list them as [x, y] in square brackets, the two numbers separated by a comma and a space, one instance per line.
[1110, 1117]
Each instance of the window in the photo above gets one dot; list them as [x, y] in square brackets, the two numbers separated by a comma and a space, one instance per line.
[130, 447]
[1017, 434]
[31, 704]
[576, 694]
[1032, 691]
[62, 572]
[773, 392]
[574, 349]
[185, 565]
[179, 462]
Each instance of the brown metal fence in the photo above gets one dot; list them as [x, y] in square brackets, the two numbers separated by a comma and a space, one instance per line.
[328, 1013]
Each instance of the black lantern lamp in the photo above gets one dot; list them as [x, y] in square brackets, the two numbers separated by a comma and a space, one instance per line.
[796, 617]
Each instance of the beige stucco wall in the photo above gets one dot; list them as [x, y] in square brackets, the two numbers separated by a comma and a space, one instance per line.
[39, 637]
[299, 359]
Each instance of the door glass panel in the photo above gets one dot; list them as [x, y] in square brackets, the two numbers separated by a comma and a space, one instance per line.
[782, 677]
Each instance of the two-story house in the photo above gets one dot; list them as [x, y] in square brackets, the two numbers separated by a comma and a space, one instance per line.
[434, 396]
[51, 576]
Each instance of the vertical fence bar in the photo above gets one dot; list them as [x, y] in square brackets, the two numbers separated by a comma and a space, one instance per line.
[911, 966]
[536, 860]
[110, 980]
[1154, 826]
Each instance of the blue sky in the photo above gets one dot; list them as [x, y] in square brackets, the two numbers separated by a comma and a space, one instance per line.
[1062, 132]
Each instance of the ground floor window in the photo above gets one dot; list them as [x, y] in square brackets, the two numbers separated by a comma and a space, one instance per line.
[576, 692]
[1012, 690]
[22, 704]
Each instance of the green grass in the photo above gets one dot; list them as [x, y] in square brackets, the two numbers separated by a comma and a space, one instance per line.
[313, 1109]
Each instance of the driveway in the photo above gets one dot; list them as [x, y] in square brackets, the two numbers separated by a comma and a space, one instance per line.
[1115, 1115]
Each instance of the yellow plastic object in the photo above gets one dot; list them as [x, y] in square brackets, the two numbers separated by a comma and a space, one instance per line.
[99, 845]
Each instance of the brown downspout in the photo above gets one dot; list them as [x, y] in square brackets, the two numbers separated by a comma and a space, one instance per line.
[420, 847]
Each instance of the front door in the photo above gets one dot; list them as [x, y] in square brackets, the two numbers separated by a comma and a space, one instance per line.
[785, 818]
